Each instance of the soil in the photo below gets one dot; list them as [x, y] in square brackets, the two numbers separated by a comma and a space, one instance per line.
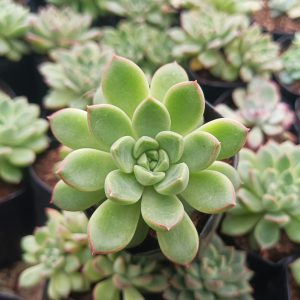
[45, 166]
[295, 87]
[295, 289]
[281, 24]
[6, 189]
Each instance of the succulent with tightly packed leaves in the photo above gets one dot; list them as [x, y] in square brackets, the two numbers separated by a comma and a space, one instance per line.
[22, 135]
[269, 197]
[202, 38]
[54, 28]
[279, 7]
[144, 44]
[291, 62]
[13, 26]
[122, 276]
[143, 152]
[295, 270]
[259, 108]
[219, 273]
[74, 75]
[57, 252]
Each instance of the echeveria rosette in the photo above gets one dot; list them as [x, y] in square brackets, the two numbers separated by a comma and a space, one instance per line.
[269, 197]
[145, 151]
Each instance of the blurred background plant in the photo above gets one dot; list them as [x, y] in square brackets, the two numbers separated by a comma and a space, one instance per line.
[291, 8]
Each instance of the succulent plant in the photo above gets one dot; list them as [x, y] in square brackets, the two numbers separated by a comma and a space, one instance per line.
[146, 45]
[219, 273]
[13, 26]
[57, 252]
[22, 135]
[203, 37]
[153, 12]
[295, 270]
[291, 62]
[54, 28]
[269, 198]
[122, 276]
[259, 108]
[279, 7]
[74, 75]
[139, 153]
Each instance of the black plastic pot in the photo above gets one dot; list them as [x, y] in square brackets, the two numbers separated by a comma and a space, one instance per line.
[16, 220]
[6, 296]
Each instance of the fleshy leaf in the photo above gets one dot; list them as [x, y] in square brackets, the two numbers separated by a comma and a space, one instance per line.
[150, 118]
[165, 77]
[68, 198]
[130, 293]
[230, 133]
[200, 150]
[105, 290]
[146, 177]
[122, 188]
[70, 128]
[176, 180]
[209, 192]
[180, 244]
[108, 123]
[124, 84]
[161, 212]
[21, 157]
[86, 169]
[31, 276]
[292, 230]
[185, 103]
[112, 227]
[266, 234]
[144, 144]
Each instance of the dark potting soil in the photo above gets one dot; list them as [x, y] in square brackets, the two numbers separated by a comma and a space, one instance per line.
[295, 87]
[7, 189]
[295, 289]
[280, 24]
[45, 166]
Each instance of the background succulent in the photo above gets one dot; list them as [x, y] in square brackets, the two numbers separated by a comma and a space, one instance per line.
[74, 75]
[279, 7]
[291, 62]
[137, 152]
[259, 108]
[219, 273]
[122, 276]
[295, 270]
[268, 200]
[13, 26]
[146, 45]
[54, 28]
[57, 252]
[22, 135]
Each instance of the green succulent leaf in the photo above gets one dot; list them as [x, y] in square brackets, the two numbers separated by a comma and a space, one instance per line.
[21, 157]
[31, 276]
[108, 123]
[118, 80]
[185, 103]
[112, 226]
[209, 192]
[230, 133]
[146, 177]
[292, 230]
[144, 144]
[105, 290]
[165, 77]
[266, 234]
[10, 173]
[122, 187]
[86, 169]
[161, 212]
[150, 118]
[180, 244]
[131, 293]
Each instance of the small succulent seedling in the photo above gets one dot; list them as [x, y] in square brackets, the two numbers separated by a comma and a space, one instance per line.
[22, 136]
[259, 108]
[295, 270]
[13, 26]
[219, 273]
[57, 252]
[54, 28]
[74, 75]
[145, 154]
[291, 63]
[269, 197]
[122, 276]
[290, 8]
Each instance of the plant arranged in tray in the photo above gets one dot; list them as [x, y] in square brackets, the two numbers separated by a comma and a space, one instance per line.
[269, 197]
[22, 136]
[290, 8]
[259, 108]
[74, 75]
[58, 252]
[13, 27]
[219, 273]
[122, 276]
[54, 28]
[140, 153]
